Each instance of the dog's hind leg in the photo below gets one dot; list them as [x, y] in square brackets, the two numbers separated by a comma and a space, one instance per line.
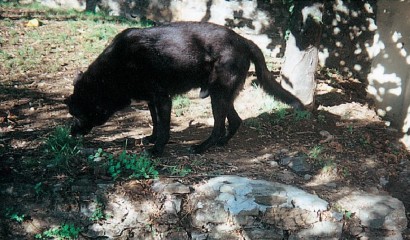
[234, 123]
[219, 110]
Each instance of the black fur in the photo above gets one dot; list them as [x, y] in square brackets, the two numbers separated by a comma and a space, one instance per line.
[157, 63]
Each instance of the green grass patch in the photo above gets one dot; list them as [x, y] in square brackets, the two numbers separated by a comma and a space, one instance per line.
[55, 46]
[180, 171]
[299, 115]
[64, 232]
[316, 152]
[62, 147]
[99, 214]
[12, 214]
[129, 166]
[180, 104]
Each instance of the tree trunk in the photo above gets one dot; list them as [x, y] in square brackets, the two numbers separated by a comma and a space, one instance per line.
[91, 5]
[301, 54]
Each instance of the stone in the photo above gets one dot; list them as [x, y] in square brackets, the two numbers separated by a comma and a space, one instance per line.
[374, 235]
[320, 230]
[270, 200]
[170, 187]
[233, 207]
[199, 236]
[376, 211]
[274, 164]
[256, 233]
[297, 164]
[307, 177]
[211, 212]
[290, 218]
[177, 236]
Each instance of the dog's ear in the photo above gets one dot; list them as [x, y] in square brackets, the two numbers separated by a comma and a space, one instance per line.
[79, 76]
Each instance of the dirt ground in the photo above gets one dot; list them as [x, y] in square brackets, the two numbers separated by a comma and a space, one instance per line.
[357, 149]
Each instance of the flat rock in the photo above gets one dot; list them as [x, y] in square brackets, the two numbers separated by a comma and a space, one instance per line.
[376, 211]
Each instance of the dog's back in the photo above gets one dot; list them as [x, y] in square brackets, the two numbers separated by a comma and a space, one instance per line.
[178, 56]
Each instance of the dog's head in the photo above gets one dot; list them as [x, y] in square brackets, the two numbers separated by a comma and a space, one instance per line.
[86, 109]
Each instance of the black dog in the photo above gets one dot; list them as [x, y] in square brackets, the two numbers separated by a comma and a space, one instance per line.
[157, 63]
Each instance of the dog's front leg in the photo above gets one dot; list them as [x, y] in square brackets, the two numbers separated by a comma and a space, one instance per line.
[154, 116]
[161, 118]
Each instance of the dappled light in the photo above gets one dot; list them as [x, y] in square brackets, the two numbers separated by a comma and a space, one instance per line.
[389, 75]
[348, 27]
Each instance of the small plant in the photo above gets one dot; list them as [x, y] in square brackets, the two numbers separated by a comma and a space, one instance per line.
[135, 166]
[98, 213]
[181, 171]
[315, 152]
[321, 118]
[302, 115]
[98, 155]
[348, 215]
[62, 146]
[65, 232]
[13, 215]
[328, 165]
[345, 172]
[104, 32]
[253, 123]
[280, 115]
[38, 188]
[350, 129]
[364, 141]
[180, 104]
[18, 218]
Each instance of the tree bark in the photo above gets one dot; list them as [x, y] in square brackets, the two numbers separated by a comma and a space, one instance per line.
[301, 54]
[91, 5]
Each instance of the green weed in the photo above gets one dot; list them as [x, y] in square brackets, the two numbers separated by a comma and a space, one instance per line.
[253, 123]
[64, 232]
[279, 115]
[181, 171]
[268, 104]
[321, 118]
[131, 166]
[328, 165]
[13, 215]
[350, 129]
[364, 142]
[345, 172]
[180, 104]
[299, 115]
[315, 152]
[18, 218]
[346, 213]
[62, 147]
[98, 213]
[104, 32]
[38, 188]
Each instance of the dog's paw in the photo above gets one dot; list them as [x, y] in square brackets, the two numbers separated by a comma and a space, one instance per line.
[148, 140]
[222, 142]
[196, 149]
[153, 152]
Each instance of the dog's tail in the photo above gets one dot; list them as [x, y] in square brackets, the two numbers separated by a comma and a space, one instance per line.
[266, 79]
